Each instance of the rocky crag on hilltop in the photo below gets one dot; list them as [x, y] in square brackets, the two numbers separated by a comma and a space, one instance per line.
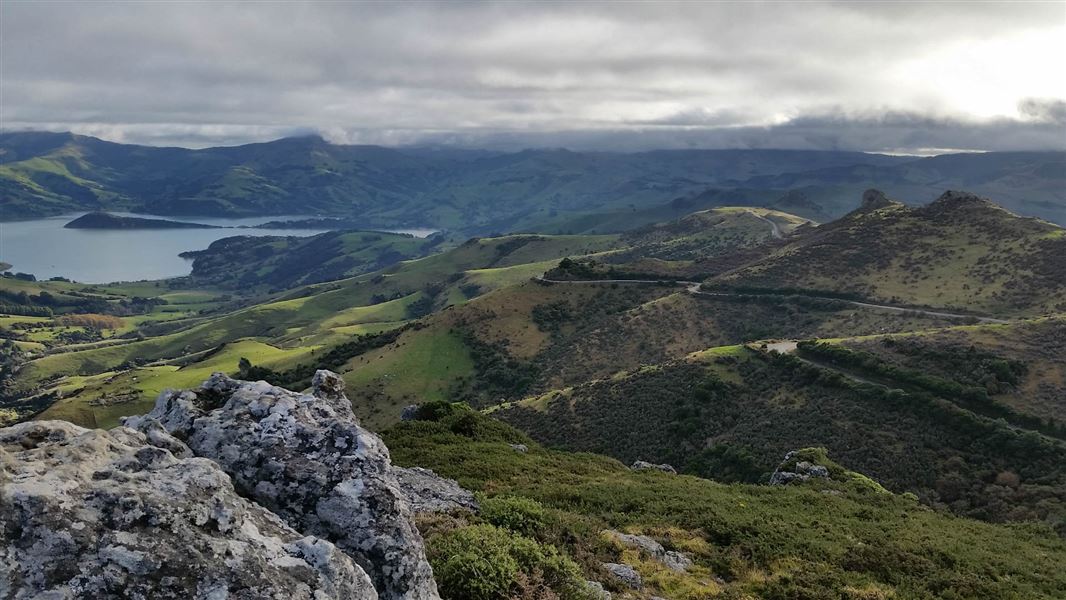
[235, 490]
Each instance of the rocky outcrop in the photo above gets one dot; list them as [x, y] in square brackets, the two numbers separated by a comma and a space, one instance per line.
[641, 465]
[427, 492]
[121, 514]
[792, 470]
[675, 561]
[305, 457]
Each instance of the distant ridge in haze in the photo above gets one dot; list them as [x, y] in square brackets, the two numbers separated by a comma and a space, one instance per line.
[483, 191]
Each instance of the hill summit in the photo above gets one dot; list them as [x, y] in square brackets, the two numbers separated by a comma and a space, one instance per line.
[960, 251]
[875, 199]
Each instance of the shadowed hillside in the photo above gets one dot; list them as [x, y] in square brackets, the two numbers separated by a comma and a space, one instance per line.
[731, 412]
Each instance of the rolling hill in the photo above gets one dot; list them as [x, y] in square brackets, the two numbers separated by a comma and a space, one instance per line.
[960, 252]
[243, 263]
[1027, 183]
[97, 382]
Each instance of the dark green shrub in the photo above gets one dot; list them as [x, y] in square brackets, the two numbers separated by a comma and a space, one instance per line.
[437, 410]
[484, 562]
[520, 515]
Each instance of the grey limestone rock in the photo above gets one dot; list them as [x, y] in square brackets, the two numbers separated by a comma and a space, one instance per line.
[788, 472]
[641, 465]
[675, 561]
[428, 492]
[120, 514]
[304, 457]
[626, 574]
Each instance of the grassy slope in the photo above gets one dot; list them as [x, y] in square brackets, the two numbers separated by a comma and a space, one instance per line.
[112, 395]
[312, 317]
[959, 252]
[748, 541]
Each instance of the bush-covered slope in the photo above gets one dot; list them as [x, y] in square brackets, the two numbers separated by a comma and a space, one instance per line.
[532, 337]
[734, 410]
[821, 540]
[1021, 365]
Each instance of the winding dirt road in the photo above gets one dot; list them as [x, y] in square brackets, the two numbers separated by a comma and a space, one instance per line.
[775, 229]
[693, 287]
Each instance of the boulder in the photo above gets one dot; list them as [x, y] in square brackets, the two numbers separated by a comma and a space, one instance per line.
[121, 514]
[641, 465]
[596, 591]
[640, 542]
[304, 457]
[674, 561]
[428, 492]
[792, 471]
[625, 574]
[409, 412]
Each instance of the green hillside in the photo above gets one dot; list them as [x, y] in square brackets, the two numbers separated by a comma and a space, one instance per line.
[837, 538]
[180, 331]
[527, 336]
[247, 262]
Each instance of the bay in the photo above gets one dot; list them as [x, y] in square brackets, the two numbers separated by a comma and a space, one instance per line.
[44, 248]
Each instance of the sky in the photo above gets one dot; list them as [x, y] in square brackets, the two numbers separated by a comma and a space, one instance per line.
[908, 77]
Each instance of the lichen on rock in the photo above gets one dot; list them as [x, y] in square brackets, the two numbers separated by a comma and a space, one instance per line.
[305, 457]
[428, 492]
[94, 514]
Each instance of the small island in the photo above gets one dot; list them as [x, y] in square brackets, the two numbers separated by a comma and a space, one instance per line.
[103, 220]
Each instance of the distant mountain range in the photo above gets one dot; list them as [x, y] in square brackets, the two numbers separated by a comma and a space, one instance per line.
[475, 192]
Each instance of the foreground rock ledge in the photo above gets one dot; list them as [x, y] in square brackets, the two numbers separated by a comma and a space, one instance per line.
[305, 457]
[98, 514]
[296, 501]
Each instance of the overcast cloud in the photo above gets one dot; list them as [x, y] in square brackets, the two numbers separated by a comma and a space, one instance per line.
[868, 76]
